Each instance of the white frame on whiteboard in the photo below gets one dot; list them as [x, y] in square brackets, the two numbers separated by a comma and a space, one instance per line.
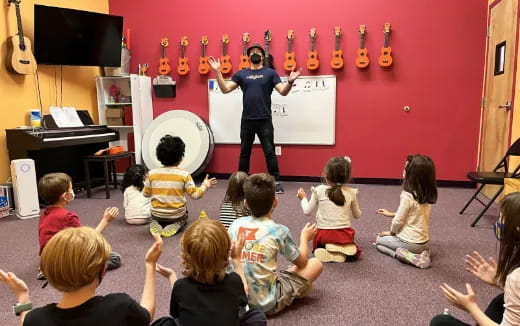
[306, 116]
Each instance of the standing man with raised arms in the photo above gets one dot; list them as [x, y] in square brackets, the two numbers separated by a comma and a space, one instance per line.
[257, 84]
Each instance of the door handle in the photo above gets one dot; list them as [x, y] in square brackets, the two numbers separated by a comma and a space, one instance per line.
[506, 106]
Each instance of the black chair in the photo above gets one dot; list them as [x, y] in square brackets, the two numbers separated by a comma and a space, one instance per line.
[109, 168]
[495, 177]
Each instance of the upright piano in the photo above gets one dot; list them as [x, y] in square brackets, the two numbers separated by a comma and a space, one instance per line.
[60, 149]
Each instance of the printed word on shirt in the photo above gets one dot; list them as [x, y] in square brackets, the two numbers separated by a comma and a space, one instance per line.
[255, 77]
[251, 253]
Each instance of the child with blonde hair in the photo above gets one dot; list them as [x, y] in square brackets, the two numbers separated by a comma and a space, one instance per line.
[75, 262]
[409, 235]
[335, 204]
[233, 205]
[207, 295]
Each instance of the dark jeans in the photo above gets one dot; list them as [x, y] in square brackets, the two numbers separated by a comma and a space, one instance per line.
[495, 311]
[254, 317]
[265, 131]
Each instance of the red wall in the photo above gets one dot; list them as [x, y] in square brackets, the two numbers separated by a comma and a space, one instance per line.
[438, 50]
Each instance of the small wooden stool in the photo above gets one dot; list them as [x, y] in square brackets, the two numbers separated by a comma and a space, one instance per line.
[109, 167]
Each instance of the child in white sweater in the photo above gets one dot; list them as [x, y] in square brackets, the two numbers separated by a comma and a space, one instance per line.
[335, 204]
[409, 235]
[137, 206]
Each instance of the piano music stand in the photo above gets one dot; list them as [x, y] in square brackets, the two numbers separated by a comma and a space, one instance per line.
[109, 167]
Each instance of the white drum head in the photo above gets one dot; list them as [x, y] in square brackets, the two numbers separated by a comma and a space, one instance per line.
[191, 129]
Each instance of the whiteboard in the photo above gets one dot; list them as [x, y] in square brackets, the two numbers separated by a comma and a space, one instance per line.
[306, 116]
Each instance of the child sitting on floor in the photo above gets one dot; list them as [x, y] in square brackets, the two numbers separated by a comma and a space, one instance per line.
[56, 190]
[264, 239]
[167, 187]
[137, 206]
[409, 235]
[207, 295]
[75, 262]
[335, 204]
[233, 205]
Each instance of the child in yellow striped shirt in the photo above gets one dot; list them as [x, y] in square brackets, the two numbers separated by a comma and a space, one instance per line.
[168, 185]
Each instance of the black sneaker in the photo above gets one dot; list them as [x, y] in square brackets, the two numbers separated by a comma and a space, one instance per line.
[278, 188]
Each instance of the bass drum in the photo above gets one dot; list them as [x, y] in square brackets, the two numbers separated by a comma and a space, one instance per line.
[195, 133]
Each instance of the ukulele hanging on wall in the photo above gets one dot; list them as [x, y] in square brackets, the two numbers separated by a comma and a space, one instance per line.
[362, 60]
[203, 60]
[164, 62]
[183, 67]
[312, 61]
[19, 58]
[385, 60]
[268, 59]
[290, 62]
[244, 59]
[225, 60]
[337, 53]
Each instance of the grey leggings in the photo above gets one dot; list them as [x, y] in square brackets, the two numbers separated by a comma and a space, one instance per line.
[390, 243]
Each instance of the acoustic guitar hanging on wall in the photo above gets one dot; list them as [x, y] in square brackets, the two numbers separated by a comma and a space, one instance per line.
[20, 58]
[225, 59]
[290, 61]
[203, 60]
[244, 59]
[337, 54]
[362, 60]
[164, 62]
[312, 61]
[183, 69]
[385, 60]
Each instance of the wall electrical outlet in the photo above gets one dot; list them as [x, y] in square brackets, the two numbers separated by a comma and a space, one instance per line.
[278, 150]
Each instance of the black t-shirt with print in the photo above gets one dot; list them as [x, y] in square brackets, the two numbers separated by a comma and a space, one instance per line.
[257, 86]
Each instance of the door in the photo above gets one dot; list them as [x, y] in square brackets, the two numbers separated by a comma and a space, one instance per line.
[498, 93]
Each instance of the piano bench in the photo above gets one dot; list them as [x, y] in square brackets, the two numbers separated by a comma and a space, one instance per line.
[109, 168]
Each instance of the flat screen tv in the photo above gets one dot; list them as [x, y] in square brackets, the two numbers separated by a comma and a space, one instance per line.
[72, 37]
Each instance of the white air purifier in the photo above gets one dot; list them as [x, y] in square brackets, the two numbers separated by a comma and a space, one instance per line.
[25, 190]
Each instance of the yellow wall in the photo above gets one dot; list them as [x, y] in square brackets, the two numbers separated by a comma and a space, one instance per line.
[18, 92]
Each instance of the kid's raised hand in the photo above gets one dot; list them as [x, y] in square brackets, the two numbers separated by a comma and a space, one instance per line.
[210, 182]
[110, 214]
[301, 194]
[236, 246]
[385, 212]
[484, 270]
[17, 286]
[309, 231]
[153, 254]
[214, 63]
[164, 271]
[458, 299]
